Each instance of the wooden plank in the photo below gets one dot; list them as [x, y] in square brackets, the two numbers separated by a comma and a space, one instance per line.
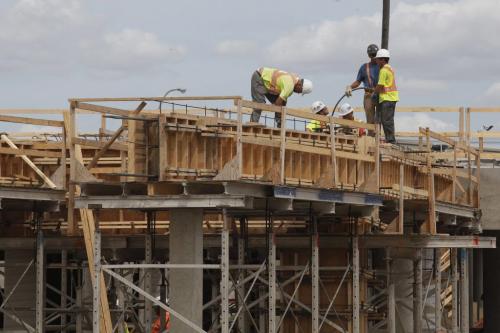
[401, 218]
[158, 98]
[115, 136]
[353, 123]
[88, 227]
[32, 121]
[69, 122]
[239, 142]
[461, 128]
[109, 110]
[283, 145]
[333, 153]
[29, 152]
[410, 190]
[308, 149]
[98, 144]
[163, 153]
[261, 106]
[29, 162]
[449, 141]
[485, 110]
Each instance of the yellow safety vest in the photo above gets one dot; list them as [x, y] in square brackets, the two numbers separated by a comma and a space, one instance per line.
[387, 79]
[314, 126]
[278, 82]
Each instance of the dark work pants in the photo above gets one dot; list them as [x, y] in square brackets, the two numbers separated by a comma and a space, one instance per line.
[259, 95]
[386, 114]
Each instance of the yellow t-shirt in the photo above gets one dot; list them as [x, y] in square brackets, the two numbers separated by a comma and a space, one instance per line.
[283, 84]
[387, 80]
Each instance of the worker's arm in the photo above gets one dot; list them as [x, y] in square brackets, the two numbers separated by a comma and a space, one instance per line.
[286, 85]
[379, 89]
[355, 84]
[280, 102]
[381, 79]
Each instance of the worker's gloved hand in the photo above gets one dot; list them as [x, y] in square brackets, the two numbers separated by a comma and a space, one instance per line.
[348, 91]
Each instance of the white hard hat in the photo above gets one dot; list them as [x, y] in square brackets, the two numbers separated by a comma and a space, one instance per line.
[317, 106]
[345, 109]
[383, 53]
[307, 86]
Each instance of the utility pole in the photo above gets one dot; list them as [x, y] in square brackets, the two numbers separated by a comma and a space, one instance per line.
[386, 15]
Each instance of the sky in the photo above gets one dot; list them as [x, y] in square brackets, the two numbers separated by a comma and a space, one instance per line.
[444, 52]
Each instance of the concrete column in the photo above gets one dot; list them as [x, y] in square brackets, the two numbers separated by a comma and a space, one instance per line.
[186, 285]
[16, 262]
[402, 273]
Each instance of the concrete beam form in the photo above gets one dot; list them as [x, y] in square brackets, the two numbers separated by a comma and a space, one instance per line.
[258, 241]
[162, 202]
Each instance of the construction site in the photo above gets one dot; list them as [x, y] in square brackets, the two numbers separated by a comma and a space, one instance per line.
[179, 214]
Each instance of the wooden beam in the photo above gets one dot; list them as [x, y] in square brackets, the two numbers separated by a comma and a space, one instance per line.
[89, 227]
[29, 152]
[449, 141]
[107, 110]
[33, 121]
[98, 144]
[486, 110]
[29, 162]
[115, 136]
[157, 99]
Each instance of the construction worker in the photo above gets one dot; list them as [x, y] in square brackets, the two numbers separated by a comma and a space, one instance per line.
[157, 323]
[320, 108]
[346, 111]
[388, 94]
[276, 86]
[368, 75]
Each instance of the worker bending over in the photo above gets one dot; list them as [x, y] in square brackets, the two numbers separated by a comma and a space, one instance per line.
[388, 94]
[276, 86]
[316, 126]
[368, 75]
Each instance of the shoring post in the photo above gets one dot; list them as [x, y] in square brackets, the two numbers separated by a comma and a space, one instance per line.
[224, 282]
[96, 297]
[437, 289]
[40, 283]
[148, 256]
[454, 282]
[391, 295]
[315, 276]
[417, 291]
[355, 285]
[64, 287]
[121, 304]
[272, 279]
[464, 291]
[243, 317]
[79, 305]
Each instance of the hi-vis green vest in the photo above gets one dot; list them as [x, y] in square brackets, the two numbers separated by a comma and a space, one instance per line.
[387, 80]
[278, 82]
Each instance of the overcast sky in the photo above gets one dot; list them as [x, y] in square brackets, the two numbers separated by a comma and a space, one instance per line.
[445, 53]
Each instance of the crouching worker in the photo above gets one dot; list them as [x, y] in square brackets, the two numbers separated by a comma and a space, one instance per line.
[276, 86]
[347, 112]
[316, 126]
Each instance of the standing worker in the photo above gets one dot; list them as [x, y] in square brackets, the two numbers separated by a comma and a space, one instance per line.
[276, 86]
[388, 94]
[368, 75]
